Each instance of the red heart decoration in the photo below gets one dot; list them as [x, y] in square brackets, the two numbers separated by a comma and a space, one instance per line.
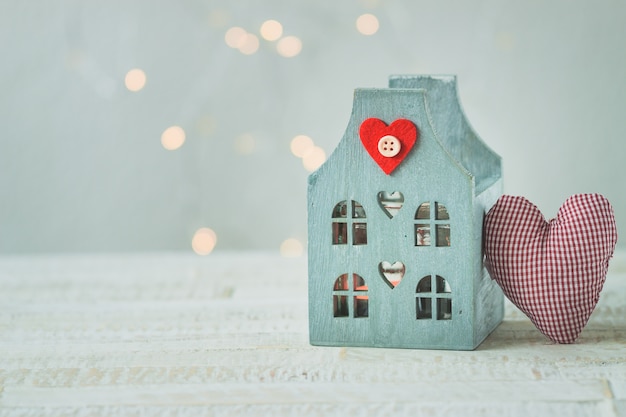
[552, 271]
[372, 130]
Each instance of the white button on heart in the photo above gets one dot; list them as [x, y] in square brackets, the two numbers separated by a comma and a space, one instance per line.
[389, 146]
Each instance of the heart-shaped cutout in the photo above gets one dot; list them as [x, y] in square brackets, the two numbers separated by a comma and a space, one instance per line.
[391, 273]
[388, 145]
[391, 203]
[552, 271]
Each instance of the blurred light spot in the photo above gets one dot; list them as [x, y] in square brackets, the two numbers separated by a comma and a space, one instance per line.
[367, 24]
[173, 138]
[218, 18]
[204, 241]
[271, 30]
[291, 248]
[250, 44]
[313, 158]
[505, 41]
[235, 37]
[206, 125]
[135, 79]
[300, 145]
[289, 46]
[244, 144]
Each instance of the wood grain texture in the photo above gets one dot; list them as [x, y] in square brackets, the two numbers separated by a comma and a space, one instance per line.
[227, 335]
[448, 166]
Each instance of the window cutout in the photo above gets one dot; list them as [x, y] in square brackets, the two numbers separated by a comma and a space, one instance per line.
[350, 296]
[361, 306]
[438, 223]
[344, 229]
[440, 299]
[442, 286]
[423, 212]
[359, 283]
[340, 233]
[357, 211]
[341, 210]
[424, 285]
[443, 235]
[341, 283]
[422, 235]
[391, 203]
[444, 309]
[340, 305]
[424, 308]
[359, 234]
[442, 212]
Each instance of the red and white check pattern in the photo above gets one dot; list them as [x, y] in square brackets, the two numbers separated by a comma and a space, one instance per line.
[552, 271]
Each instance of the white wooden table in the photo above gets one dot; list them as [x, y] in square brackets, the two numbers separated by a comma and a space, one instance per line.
[169, 334]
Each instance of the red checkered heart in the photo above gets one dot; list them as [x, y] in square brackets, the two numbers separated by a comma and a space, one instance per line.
[552, 271]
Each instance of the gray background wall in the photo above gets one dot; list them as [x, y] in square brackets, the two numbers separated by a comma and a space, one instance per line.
[81, 162]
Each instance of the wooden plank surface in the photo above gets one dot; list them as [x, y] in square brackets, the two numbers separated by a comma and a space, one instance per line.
[169, 334]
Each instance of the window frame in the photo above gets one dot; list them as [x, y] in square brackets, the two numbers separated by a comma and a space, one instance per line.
[433, 224]
[350, 298]
[351, 226]
[440, 298]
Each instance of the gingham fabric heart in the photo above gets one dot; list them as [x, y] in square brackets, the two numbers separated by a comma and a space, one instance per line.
[552, 271]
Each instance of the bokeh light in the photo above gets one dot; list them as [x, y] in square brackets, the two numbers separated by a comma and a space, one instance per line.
[289, 46]
[245, 144]
[173, 138]
[135, 79]
[505, 41]
[204, 241]
[235, 37]
[367, 24]
[291, 248]
[206, 125]
[218, 18]
[300, 145]
[250, 44]
[271, 30]
[313, 158]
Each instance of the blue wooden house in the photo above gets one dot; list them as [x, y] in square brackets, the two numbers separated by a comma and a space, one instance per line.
[395, 220]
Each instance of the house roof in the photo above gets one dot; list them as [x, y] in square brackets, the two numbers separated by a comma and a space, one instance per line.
[452, 128]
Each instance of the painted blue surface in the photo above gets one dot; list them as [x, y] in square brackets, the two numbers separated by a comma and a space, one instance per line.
[448, 166]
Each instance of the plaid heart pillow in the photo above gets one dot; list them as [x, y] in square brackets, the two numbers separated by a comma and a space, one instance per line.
[551, 270]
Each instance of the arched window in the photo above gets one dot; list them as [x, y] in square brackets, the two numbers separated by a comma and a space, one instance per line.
[433, 291]
[349, 218]
[431, 222]
[350, 297]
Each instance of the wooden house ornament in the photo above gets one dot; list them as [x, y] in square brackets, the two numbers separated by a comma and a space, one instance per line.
[395, 224]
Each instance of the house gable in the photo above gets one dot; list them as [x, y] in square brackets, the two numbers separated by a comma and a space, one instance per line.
[453, 128]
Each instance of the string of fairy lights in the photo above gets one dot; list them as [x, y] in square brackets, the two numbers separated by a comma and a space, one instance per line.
[248, 42]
